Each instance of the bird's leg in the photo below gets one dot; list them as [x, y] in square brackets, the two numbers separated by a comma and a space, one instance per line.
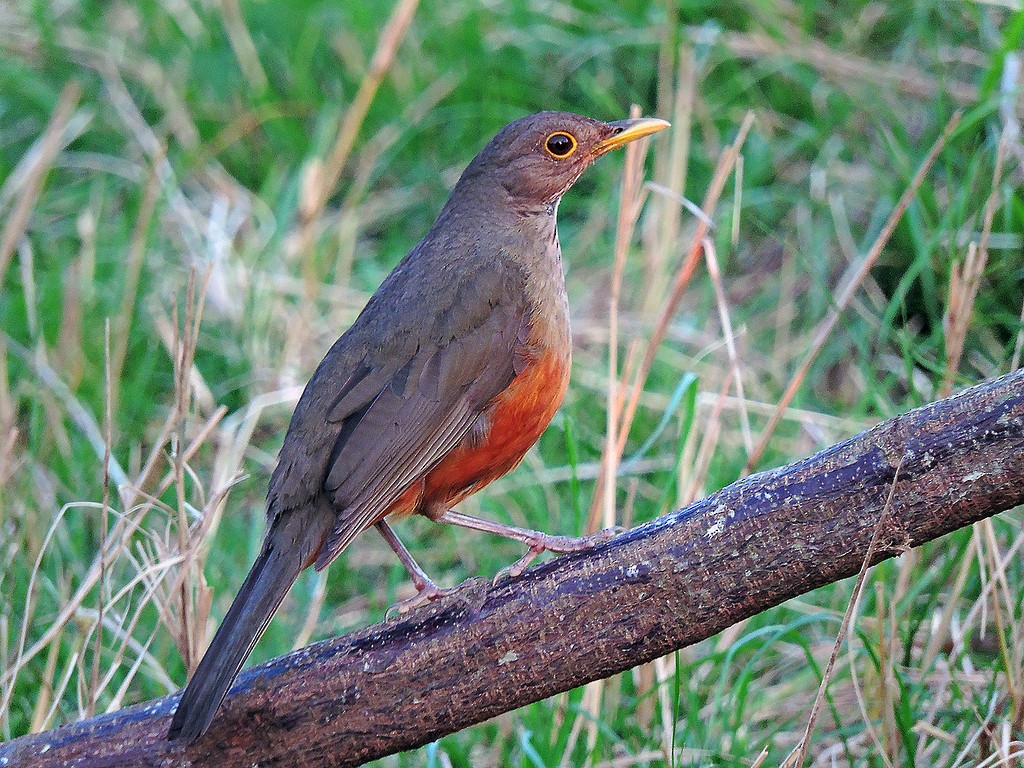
[426, 590]
[536, 540]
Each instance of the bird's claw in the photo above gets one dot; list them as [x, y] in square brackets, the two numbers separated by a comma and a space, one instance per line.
[426, 593]
[559, 544]
[607, 533]
[516, 569]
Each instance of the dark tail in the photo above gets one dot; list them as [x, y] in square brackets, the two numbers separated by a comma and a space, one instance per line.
[289, 546]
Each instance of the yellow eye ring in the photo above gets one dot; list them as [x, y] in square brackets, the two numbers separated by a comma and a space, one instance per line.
[560, 145]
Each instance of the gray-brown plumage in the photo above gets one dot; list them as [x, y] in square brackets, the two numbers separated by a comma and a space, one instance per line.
[447, 377]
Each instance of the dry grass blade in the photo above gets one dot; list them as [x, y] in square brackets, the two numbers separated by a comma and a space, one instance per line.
[630, 201]
[179, 206]
[242, 45]
[77, 412]
[33, 184]
[126, 527]
[849, 287]
[797, 757]
[689, 490]
[167, 330]
[726, 163]
[104, 511]
[887, 694]
[941, 632]
[1019, 346]
[684, 273]
[844, 67]
[8, 431]
[58, 691]
[137, 489]
[114, 542]
[664, 670]
[964, 281]
[45, 696]
[316, 604]
[982, 729]
[976, 619]
[715, 274]
[185, 345]
[383, 57]
[682, 202]
[708, 442]
[132, 273]
[22, 657]
[670, 175]
[151, 574]
[1002, 613]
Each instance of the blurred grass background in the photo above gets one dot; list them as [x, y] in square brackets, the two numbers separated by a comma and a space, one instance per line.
[141, 143]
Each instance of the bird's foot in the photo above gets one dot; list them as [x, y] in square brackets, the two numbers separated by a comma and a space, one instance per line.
[426, 592]
[543, 542]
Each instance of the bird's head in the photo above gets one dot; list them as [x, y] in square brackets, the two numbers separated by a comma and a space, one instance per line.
[538, 157]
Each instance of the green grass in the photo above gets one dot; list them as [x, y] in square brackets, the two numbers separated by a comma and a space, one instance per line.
[184, 151]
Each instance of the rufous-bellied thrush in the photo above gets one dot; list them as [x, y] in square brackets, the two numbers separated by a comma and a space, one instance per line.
[451, 372]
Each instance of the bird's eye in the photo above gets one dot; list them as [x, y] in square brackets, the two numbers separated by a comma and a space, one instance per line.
[560, 145]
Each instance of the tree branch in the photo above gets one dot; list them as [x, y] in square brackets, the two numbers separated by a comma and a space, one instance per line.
[677, 580]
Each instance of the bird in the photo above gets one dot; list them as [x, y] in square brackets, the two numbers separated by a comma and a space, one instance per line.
[450, 373]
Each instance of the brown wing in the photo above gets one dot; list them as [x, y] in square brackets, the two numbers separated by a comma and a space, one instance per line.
[369, 426]
[424, 412]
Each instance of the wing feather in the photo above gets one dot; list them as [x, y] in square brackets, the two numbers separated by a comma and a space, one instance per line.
[402, 388]
[408, 429]
[394, 431]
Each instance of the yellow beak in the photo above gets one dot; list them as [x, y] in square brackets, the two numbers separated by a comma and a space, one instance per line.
[629, 130]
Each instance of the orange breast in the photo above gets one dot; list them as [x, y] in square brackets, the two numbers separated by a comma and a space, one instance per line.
[517, 418]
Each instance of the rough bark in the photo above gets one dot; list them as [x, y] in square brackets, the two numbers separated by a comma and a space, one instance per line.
[489, 649]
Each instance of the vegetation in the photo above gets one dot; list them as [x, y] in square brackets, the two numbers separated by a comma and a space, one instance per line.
[197, 198]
